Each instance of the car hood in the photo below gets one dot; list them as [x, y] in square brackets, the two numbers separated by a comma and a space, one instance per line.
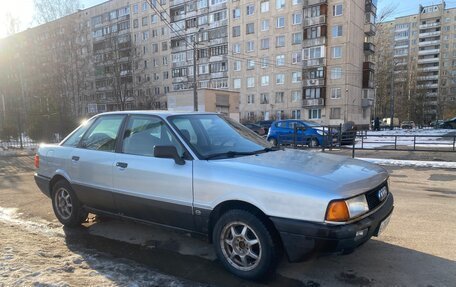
[339, 176]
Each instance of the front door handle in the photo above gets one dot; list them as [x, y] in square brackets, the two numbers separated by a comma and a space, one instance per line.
[122, 164]
[75, 158]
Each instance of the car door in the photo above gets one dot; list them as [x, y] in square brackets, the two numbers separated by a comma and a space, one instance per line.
[150, 188]
[300, 137]
[285, 132]
[91, 163]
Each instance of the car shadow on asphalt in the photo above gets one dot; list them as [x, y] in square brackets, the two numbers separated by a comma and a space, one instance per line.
[375, 263]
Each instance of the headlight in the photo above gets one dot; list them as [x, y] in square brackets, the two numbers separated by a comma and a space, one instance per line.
[344, 210]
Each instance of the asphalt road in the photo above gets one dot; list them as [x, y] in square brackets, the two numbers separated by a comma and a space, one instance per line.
[418, 248]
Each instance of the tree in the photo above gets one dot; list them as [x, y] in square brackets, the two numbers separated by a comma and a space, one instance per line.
[50, 10]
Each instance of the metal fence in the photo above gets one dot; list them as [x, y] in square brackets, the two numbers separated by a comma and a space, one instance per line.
[337, 138]
[21, 143]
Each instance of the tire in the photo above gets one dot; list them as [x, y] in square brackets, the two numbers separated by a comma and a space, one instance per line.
[67, 207]
[313, 143]
[273, 141]
[232, 234]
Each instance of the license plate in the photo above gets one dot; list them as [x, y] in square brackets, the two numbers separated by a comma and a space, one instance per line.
[383, 225]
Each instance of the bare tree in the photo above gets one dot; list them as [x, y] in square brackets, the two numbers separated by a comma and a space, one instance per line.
[50, 10]
[12, 24]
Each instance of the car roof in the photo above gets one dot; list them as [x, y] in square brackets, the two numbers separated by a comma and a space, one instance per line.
[160, 113]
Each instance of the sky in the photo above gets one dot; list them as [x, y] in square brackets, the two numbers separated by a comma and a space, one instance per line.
[24, 9]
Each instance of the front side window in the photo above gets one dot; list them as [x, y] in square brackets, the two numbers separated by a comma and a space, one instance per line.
[102, 135]
[143, 133]
[210, 135]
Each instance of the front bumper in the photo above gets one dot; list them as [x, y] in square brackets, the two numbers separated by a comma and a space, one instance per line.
[43, 184]
[302, 239]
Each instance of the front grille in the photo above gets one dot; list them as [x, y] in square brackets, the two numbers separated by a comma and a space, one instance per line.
[372, 196]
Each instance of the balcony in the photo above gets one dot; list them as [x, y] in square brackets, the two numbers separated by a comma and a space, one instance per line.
[368, 75]
[428, 78]
[370, 7]
[429, 69]
[314, 82]
[428, 60]
[314, 62]
[428, 86]
[319, 20]
[370, 29]
[314, 42]
[314, 2]
[429, 34]
[368, 66]
[313, 102]
[430, 25]
[428, 52]
[369, 48]
[365, 103]
[429, 43]
[176, 2]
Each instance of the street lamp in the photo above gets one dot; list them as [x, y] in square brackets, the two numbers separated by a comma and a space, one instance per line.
[195, 80]
[395, 62]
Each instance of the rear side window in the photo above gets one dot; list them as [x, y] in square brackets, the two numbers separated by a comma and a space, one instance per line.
[282, 125]
[102, 134]
[74, 139]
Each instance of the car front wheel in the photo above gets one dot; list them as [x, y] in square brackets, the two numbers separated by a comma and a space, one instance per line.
[66, 205]
[273, 141]
[245, 245]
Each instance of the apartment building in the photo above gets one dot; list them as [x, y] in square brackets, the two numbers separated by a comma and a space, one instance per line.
[423, 49]
[304, 59]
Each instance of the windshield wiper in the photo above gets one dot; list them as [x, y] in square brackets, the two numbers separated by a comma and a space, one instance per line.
[268, 149]
[229, 154]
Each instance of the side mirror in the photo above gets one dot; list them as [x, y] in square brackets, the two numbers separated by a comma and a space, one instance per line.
[168, 152]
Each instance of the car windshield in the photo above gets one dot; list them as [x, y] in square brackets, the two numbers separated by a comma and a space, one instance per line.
[214, 136]
[310, 124]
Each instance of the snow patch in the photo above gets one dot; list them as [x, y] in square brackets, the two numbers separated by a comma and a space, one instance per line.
[412, 163]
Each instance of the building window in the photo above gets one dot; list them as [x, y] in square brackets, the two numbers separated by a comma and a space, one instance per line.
[280, 41]
[336, 52]
[264, 62]
[251, 99]
[280, 60]
[296, 114]
[334, 114]
[280, 79]
[237, 65]
[250, 28]
[236, 31]
[296, 38]
[265, 80]
[236, 13]
[337, 31]
[144, 6]
[280, 22]
[145, 21]
[250, 46]
[236, 48]
[265, 43]
[250, 82]
[264, 98]
[296, 2]
[250, 9]
[297, 18]
[264, 25]
[336, 73]
[296, 57]
[250, 64]
[279, 97]
[237, 83]
[296, 77]
[280, 4]
[135, 8]
[264, 6]
[296, 96]
[337, 10]
[314, 114]
[336, 93]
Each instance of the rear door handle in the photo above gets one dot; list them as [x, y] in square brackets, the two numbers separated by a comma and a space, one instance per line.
[122, 164]
[75, 158]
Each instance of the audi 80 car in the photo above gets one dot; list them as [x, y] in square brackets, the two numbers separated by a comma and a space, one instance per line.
[207, 174]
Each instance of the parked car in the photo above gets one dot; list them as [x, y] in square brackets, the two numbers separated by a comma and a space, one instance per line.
[408, 125]
[437, 124]
[308, 133]
[449, 124]
[265, 124]
[206, 174]
[256, 128]
[349, 132]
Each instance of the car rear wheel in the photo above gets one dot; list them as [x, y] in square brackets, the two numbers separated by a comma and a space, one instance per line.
[66, 205]
[245, 245]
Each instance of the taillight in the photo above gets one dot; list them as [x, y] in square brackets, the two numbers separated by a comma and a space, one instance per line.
[37, 161]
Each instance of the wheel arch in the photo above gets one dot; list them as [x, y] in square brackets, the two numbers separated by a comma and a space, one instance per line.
[54, 180]
[228, 205]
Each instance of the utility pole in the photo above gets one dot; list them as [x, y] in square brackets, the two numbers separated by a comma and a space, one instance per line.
[392, 97]
[195, 81]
